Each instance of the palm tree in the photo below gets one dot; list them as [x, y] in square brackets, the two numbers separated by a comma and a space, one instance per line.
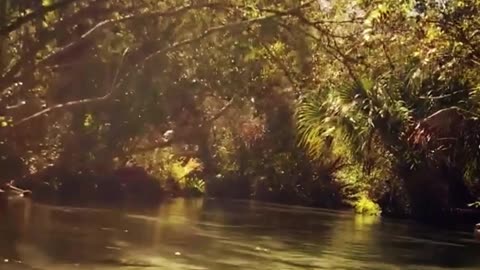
[401, 127]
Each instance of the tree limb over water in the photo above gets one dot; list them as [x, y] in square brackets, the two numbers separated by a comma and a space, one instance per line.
[19, 22]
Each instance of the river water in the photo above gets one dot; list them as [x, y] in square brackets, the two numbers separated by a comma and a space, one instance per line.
[209, 234]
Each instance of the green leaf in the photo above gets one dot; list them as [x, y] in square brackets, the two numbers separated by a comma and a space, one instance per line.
[88, 120]
[47, 3]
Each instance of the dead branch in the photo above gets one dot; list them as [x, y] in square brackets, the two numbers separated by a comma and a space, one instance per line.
[445, 123]
[443, 96]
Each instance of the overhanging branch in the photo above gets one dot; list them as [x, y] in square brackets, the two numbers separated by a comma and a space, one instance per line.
[168, 13]
[16, 24]
[212, 31]
[102, 24]
[56, 53]
[221, 111]
[77, 102]
[176, 45]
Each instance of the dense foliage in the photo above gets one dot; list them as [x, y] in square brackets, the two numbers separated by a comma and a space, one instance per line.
[324, 103]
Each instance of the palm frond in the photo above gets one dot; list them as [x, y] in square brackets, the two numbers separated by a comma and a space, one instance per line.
[322, 117]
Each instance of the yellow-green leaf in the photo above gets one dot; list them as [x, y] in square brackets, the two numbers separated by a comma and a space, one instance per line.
[47, 3]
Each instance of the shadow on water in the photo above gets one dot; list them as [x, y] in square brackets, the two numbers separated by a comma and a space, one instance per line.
[211, 234]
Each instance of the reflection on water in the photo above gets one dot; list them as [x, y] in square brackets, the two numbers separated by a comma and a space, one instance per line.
[197, 234]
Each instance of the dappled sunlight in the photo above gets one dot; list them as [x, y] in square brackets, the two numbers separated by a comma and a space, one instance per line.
[186, 234]
[239, 134]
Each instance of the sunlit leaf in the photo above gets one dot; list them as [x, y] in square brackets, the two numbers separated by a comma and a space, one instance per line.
[47, 3]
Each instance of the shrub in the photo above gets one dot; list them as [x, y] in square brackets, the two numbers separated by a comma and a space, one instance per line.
[366, 206]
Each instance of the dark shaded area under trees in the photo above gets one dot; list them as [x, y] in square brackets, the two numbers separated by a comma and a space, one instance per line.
[366, 104]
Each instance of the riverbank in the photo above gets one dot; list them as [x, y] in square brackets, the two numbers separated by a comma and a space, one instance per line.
[133, 185]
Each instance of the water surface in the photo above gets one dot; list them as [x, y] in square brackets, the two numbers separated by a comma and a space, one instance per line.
[198, 234]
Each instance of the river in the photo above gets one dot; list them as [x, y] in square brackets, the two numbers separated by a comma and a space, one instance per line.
[210, 234]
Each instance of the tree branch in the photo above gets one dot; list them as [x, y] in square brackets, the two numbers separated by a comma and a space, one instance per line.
[169, 142]
[443, 96]
[331, 50]
[33, 15]
[105, 23]
[316, 26]
[291, 11]
[387, 55]
[77, 102]
[109, 94]
[48, 59]
[282, 66]
[205, 34]
[160, 144]
[212, 31]
[26, 62]
[221, 111]
[169, 13]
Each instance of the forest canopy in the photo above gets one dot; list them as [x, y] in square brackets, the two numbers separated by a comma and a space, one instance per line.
[321, 103]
